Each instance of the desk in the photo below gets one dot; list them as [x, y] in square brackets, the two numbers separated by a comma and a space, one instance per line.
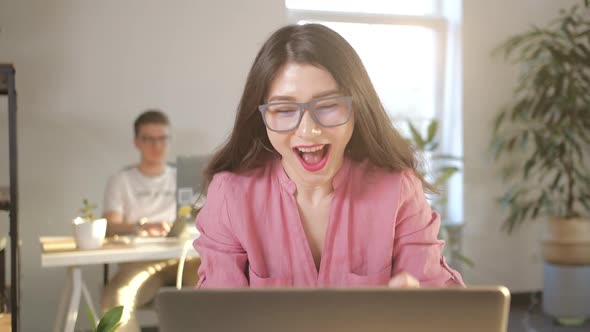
[73, 260]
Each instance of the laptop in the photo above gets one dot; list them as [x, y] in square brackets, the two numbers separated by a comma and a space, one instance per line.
[482, 309]
[189, 179]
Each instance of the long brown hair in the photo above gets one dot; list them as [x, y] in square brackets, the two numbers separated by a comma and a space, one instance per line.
[374, 137]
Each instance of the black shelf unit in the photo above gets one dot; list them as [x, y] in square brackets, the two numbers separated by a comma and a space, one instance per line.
[7, 88]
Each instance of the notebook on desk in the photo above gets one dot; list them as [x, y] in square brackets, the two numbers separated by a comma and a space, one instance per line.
[482, 309]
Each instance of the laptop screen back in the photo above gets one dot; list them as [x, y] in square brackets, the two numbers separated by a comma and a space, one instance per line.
[189, 178]
[341, 310]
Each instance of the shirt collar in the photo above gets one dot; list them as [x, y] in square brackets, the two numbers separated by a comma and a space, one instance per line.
[339, 179]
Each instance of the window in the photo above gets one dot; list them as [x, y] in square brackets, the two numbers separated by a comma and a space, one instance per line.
[411, 50]
[401, 44]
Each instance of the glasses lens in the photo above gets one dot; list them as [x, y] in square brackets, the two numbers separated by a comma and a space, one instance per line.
[154, 139]
[332, 112]
[282, 116]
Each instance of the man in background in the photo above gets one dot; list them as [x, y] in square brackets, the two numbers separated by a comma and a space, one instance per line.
[140, 200]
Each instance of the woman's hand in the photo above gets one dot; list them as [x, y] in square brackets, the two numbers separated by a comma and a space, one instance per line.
[403, 280]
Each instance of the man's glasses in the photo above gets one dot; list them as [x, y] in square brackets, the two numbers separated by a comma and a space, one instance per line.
[327, 112]
[153, 140]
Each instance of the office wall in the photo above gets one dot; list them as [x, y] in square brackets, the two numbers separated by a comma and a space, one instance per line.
[500, 259]
[85, 69]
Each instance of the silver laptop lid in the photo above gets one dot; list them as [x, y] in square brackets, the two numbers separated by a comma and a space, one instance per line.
[189, 178]
[482, 309]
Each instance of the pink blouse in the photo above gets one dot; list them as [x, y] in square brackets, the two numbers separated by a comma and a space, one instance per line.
[380, 224]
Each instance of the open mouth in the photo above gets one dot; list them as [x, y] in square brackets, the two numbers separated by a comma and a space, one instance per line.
[313, 158]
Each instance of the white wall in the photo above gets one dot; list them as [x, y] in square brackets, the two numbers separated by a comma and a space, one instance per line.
[85, 69]
[500, 259]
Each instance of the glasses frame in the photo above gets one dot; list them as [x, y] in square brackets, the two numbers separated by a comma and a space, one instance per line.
[152, 140]
[309, 106]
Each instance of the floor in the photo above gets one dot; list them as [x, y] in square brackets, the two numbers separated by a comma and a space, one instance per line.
[526, 315]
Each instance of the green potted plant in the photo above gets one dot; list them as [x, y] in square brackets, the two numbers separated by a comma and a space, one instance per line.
[541, 140]
[544, 134]
[442, 170]
[89, 233]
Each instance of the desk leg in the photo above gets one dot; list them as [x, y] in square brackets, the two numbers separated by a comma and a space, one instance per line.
[63, 303]
[70, 299]
[72, 314]
[88, 300]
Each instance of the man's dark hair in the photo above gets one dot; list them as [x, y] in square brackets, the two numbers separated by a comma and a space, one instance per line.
[150, 116]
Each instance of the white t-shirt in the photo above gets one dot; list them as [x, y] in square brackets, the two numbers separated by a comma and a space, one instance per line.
[137, 196]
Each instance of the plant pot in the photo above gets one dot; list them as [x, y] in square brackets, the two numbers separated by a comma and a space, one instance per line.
[89, 234]
[566, 293]
[567, 242]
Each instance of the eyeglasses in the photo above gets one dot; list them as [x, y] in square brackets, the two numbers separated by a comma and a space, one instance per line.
[327, 112]
[153, 140]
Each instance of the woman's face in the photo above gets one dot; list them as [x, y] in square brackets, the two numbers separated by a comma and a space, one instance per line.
[311, 154]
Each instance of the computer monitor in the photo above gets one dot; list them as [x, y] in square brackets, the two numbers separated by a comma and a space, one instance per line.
[189, 178]
[482, 309]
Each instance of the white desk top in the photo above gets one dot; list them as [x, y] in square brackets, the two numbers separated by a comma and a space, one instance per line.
[169, 249]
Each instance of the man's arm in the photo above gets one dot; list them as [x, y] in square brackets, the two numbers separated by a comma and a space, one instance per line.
[117, 226]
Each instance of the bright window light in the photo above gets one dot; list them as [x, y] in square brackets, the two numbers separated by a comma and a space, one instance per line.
[401, 61]
[400, 7]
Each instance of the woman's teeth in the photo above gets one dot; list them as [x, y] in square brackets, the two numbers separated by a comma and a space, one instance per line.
[312, 149]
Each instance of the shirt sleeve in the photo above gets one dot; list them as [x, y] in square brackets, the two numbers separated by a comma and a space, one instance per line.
[223, 260]
[113, 195]
[417, 250]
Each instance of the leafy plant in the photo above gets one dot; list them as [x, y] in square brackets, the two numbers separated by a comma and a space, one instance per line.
[87, 209]
[445, 166]
[542, 139]
[109, 322]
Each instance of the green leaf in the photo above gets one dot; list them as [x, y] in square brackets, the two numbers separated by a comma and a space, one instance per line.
[587, 206]
[498, 122]
[110, 319]
[511, 143]
[556, 180]
[417, 138]
[463, 259]
[582, 177]
[445, 174]
[432, 146]
[114, 328]
[432, 130]
[508, 224]
[528, 166]
[91, 318]
[572, 141]
[498, 149]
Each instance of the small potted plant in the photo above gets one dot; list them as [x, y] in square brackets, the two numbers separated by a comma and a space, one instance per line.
[89, 233]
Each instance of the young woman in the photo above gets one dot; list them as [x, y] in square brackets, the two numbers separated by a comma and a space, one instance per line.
[315, 187]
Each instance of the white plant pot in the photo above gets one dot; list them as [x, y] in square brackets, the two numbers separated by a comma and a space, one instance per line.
[89, 234]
